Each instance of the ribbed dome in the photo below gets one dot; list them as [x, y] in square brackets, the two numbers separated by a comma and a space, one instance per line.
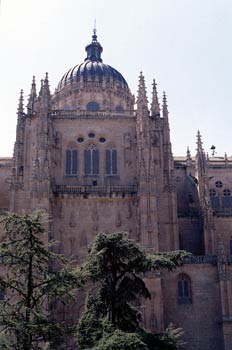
[92, 69]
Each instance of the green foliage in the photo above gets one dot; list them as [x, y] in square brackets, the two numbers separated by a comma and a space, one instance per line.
[117, 265]
[91, 328]
[119, 340]
[34, 276]
[171, 339]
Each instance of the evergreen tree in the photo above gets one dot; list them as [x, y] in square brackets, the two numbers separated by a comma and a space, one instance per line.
[116, 266]
[32, 277]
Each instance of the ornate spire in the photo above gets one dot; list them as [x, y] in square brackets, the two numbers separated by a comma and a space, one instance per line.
[165, 106]
[201, 161]
[20, 122]
[199, 143]
[32, 98]
[155, 107]
[45, 96]
[46, 87]
[142, 95]
[94, 49]
[41, 87]
[17, 172]
[188, 157]
[20, 107]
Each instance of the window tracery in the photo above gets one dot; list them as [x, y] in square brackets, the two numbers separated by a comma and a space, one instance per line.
[184, 289]
[212, 192]
[71, 161]
[91, 157]
[218, 184]
[111, 161]
[226, 192]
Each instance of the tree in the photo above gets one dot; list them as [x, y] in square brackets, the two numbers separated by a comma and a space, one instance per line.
[32, 277]
[116, 266]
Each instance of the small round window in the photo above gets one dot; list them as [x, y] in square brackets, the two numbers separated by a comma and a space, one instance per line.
[91, 135]
[80, 139]
[212, 192]
[218, 184]
[226, 193]
[102, 139]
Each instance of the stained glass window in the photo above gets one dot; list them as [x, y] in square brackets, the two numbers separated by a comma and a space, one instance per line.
[92, 106]
[111, 161]
[215, 202]
[184, 289]
[91, 156]
[71, 162]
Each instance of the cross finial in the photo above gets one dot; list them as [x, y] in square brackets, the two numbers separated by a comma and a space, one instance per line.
[94, 37]
[95, 27]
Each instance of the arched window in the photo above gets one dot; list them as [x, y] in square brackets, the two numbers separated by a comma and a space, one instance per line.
[71, 161]
[91, 160]
[184, 290]
[111, 161]
[226, 199]
[92, 106]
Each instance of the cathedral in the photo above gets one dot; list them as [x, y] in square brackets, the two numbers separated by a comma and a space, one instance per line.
[97, 159]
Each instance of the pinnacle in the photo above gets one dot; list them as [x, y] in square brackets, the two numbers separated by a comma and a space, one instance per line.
[199, 138]
[45, 90]
[155, 107]
[20, 106]
[199, 143]
[188, 154]
[165, 106]
[32, 97]
[41, 86]
[142, 94]
[46, 81]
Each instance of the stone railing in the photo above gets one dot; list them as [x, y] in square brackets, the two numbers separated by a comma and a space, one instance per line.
[78, 114]
[201, 259]
[95, 190]
[223, 212]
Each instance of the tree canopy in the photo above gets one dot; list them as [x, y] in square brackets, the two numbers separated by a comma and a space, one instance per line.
[32, 277]
[111, 320]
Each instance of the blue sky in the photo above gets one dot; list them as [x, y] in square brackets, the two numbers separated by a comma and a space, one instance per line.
[184, 44]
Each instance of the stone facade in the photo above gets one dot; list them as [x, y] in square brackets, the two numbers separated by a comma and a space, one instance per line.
[96, 164]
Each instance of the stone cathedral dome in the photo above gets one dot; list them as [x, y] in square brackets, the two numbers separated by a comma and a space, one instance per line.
[93, 85]
[93, 69]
